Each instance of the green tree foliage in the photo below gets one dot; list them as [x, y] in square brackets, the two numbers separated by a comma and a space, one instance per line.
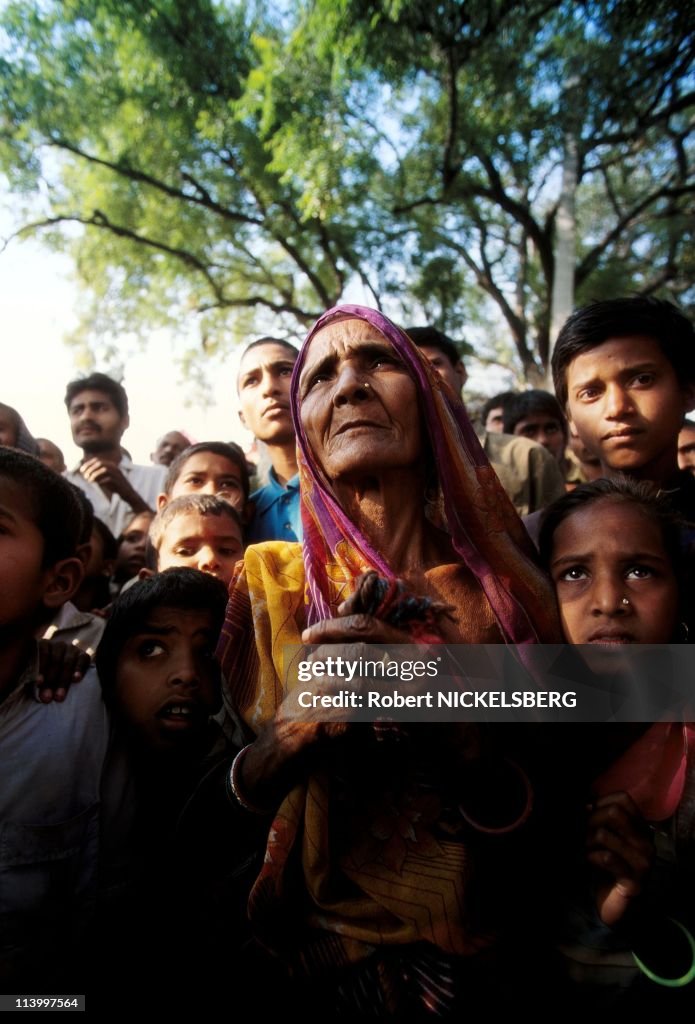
[159, 181]
[242, 164]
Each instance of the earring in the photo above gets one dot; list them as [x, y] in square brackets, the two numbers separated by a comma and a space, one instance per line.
[683, 626]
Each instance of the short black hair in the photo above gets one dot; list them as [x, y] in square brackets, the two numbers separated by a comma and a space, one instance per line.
[180, 588]
[87, 514]
[596, 323]
[499, 401]
[259, 342]
[231, 451]
[271, 341]
[621, 489]
[432, 337]
[532, 403]
[688, 423]
[99, 382]
[108, 541]
[51, 503]
[203, 504]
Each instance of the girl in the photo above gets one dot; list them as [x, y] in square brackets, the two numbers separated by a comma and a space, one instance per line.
[614, 551]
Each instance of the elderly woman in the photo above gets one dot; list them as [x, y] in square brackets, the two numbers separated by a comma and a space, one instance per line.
[373, 885]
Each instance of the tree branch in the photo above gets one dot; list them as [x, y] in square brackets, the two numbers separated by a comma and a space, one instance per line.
[203, 199]
[591, 259]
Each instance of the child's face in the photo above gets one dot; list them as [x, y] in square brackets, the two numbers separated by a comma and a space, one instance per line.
[167, 681]
[210, 543]
[207, 473]
[21, 553]
[131, 550]
[627, 406]
[614, 580]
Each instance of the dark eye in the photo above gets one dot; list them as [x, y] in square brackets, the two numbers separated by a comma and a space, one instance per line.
[587, 394]
[318, 378]
[150, 649]
[228, 485]
[384, 360]
[573, 574]
[639, 572]
[644, 379]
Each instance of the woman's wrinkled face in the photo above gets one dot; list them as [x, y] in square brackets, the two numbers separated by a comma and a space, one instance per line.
[358, 403]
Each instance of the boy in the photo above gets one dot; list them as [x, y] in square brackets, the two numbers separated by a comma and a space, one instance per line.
[200, 531]
[537, 415]
[70, 625]
[192, 854]
[155, 662]
[52, 755]
[211, 467]
[624, 369]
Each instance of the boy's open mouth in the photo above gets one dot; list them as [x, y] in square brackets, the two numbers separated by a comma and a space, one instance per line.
[180, 714]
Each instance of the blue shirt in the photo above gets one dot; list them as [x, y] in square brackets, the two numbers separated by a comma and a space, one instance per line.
[277, 515]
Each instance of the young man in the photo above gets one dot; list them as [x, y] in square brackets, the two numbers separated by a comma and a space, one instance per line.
[442, 354]
[265, 372]
[492, 412]
[53, 754]
[529, 475]
[537, 415]
[98, 411]
[625, 371]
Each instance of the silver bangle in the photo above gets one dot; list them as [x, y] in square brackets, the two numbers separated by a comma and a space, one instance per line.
[233, 788]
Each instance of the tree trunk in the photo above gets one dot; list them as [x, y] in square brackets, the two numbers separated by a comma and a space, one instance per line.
[562, 301]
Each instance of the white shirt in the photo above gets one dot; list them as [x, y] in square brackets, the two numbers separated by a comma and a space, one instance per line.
[52, 760]
[148, 481]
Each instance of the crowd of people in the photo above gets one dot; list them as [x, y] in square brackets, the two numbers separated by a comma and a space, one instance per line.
[165, 808]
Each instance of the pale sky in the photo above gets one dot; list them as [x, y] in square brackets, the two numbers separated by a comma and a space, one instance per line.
[37, 299]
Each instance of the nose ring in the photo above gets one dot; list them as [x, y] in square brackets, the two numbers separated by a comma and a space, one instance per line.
[625, 601]
[365, 385]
